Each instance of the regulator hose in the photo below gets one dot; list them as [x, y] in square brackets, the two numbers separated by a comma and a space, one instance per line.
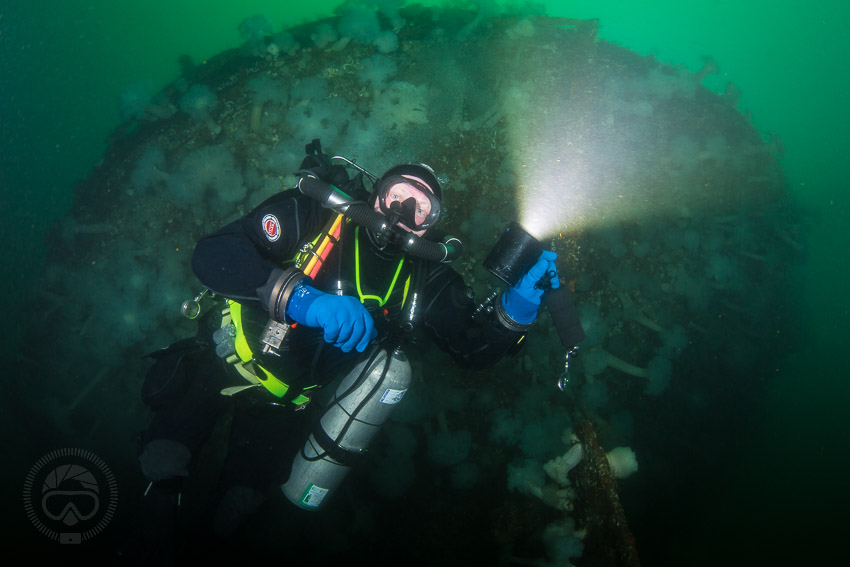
[448, 250]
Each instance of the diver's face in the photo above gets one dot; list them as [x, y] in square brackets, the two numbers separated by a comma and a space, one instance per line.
[401, 192]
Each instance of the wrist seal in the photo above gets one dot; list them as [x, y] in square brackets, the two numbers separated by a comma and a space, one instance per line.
[277, 291]
[506, 320]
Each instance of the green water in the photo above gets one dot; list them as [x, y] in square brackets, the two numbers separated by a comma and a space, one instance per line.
[64, 63]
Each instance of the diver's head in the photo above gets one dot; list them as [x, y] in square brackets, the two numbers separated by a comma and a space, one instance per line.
[410, 194]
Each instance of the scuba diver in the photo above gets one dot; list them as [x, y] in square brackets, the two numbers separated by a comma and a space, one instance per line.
[324, 280]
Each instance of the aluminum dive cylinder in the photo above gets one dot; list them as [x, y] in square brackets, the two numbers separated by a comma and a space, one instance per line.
[363, 402]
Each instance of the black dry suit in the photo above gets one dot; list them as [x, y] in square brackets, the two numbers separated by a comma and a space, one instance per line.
[239, 258]
[186, 381]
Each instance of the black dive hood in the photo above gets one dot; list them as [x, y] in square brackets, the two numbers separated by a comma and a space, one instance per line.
[447, 250]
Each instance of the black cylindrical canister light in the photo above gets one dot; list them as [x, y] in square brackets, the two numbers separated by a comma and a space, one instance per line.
[513, 254]
[511, 257]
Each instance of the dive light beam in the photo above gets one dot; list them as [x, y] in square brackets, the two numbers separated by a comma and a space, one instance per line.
[590, 149]
[568, 169]
[576, 163]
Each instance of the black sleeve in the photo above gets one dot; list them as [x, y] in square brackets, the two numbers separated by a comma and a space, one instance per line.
[474, 343]
[239, 257]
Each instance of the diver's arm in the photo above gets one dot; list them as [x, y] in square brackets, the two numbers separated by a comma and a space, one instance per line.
[449, 305]
[239, 258]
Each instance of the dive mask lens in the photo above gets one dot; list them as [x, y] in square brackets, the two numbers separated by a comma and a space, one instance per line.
[417, 205]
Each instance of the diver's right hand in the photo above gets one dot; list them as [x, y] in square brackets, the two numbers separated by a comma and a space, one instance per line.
[346, 322]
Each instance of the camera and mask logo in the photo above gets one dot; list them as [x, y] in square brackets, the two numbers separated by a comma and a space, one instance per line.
[70, 495]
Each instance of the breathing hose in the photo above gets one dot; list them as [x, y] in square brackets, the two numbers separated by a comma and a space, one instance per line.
[447, 250]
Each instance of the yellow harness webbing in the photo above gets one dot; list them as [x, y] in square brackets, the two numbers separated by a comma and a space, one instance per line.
[244, 363]
[312, 258]
[363, 297]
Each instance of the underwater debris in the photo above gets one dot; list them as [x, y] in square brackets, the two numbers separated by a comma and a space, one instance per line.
[608, 540]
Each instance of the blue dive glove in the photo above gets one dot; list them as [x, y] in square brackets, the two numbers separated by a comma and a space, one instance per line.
[346, 322]
[522, 301]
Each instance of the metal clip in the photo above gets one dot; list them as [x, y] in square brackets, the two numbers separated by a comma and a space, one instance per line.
[302, 255]
[273, 336]
[564, 379]
[192, 308]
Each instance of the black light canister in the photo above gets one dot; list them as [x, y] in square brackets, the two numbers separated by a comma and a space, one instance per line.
[513, 254]
[511, 257]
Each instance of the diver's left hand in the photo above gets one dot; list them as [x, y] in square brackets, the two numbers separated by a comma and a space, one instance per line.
[522, 301]
[347, 324]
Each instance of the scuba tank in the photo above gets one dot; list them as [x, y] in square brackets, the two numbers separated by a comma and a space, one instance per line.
[362, 403]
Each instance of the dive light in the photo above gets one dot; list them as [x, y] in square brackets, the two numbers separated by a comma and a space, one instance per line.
[511, 257]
